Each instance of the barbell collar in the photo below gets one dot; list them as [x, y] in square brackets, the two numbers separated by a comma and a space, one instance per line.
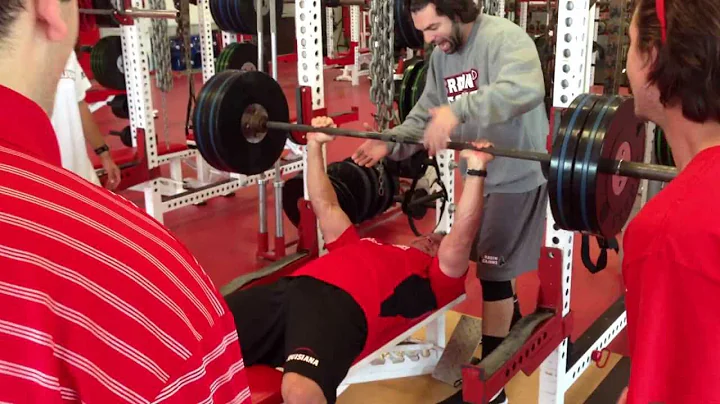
[134, 13]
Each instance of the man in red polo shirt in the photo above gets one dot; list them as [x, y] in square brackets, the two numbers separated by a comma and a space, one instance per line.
[317, 322]
[671, 265]
[98, 302]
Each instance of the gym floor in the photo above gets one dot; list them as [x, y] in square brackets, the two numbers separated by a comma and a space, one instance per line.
[222, 235]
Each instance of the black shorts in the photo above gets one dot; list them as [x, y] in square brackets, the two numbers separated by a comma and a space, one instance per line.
[302, 324]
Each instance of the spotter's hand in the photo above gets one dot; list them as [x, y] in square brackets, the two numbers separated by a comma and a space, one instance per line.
[437, 133]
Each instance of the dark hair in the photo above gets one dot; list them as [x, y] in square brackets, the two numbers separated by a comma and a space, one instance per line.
[8, 13]
[464, 10]
[687, 68]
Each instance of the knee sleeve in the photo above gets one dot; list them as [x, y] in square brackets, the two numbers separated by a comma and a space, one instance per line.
[493, 291]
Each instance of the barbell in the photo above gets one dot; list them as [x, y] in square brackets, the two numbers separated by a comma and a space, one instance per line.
[593, 170]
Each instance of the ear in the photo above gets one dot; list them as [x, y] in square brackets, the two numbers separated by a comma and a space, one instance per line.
[49, 16]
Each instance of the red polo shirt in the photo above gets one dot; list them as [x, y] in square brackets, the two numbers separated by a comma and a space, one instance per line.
[99, 303]
[393, 284]
[671, 269]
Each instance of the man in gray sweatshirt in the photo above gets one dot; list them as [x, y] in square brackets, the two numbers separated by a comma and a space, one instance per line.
[484, 81]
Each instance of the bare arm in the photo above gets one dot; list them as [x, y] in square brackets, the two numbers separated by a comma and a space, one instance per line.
[455, 248]
[90, 129]
[333, 220]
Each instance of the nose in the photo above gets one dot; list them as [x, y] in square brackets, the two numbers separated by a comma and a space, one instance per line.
[429, 38]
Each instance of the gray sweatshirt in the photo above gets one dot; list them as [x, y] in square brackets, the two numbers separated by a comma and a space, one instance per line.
[494, 85]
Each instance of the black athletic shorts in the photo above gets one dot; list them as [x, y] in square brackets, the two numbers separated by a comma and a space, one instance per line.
[302, 324]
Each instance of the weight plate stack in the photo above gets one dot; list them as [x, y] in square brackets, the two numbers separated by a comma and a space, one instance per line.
[405, 103]
[562, 157]
[406, 36]
[238, 16]
[357, 183]
[107, 63]
[241, 56]
[583, 169]
[206, 115]
[621, 138]
[346, 200]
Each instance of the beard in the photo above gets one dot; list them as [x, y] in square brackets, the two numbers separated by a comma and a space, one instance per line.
[455, 40]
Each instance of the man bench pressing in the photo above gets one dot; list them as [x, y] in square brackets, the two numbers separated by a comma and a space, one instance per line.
[318, 321]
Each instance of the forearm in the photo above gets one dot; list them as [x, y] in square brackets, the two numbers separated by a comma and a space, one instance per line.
[320, 190]
[412, 127]
[455, 249]
[91, 131]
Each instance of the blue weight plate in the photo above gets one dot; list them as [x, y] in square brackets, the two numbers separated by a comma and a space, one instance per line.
[247, 152]
[581, 169]
[216, 116]
[563, 156]
[248, 18]
[218, 12]
[612, 197]
[203, 121]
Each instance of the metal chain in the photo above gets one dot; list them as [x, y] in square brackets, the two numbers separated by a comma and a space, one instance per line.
[160, 43]
[382, 69]
[382, 65]
[183, 31]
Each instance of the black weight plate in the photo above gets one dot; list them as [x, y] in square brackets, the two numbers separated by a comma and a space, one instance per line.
[204, 123]
[409, 74]
[401, 30]
[104, 20]
[347, 176]
[345, 199]
[418, 86]
[221, 62]
[119, 106]
[562, 157]
[241, 154]
[583, 160]
[215, 117]
[246, 14]
[245, 58]
[110, 66]
[622, 138]
[293, 190]
[126, 137]
[359, 186]
[390, 187]
[221, 13]
[372, 177]
[403, 18]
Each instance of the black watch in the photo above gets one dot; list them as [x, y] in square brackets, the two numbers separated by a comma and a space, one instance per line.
[102, 149]
[477, 173]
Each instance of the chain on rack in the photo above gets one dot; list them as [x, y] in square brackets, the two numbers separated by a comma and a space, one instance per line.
[159, 41]
[382, 66]
[183, 32]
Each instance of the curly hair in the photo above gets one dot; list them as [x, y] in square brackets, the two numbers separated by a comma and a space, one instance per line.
[687, 68]
[465, 10]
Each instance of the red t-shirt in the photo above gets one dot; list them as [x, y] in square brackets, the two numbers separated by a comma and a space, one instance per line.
[671, 269]
[391, 283]
[99, 303]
